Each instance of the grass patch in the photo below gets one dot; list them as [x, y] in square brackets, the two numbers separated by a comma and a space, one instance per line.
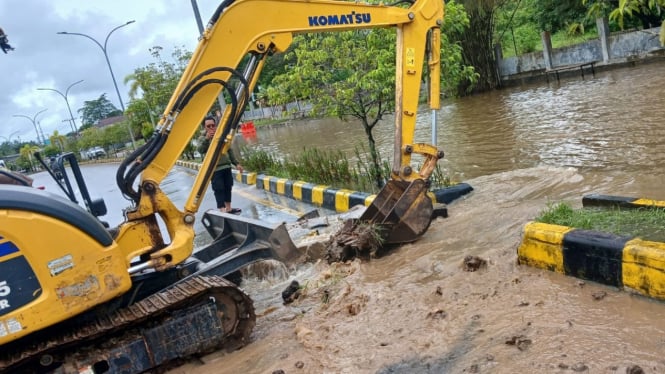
[646, 223]
[330, 168]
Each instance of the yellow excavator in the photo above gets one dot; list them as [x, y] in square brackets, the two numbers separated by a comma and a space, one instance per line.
[79, 297]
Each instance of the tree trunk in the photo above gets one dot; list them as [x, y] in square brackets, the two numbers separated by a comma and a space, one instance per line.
[376, 165]
[478, 49]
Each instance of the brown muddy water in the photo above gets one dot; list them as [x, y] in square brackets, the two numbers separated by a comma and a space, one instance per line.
[417, 311]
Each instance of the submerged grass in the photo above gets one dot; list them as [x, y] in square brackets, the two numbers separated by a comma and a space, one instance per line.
[646, 223]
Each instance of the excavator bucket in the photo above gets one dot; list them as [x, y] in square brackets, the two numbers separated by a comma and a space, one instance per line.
[402, 210]
[239, 241]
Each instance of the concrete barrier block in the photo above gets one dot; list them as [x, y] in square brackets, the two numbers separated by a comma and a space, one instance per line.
[542, 246]
[644, 268]
[594, 256]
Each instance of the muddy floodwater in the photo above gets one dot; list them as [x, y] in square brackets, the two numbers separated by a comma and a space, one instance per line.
[417, 310]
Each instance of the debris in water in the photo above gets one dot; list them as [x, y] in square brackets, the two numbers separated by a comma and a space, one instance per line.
[354, 240]
[634, 369]
[599, 295]
[579, 367]
[437, 314]
[473, 263]
[520, 341]
[291, 293]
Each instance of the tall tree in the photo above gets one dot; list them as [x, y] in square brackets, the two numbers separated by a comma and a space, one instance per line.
[58, 140]
[152, 86]
[347, 75]
[156, 82]
[95, 110]
[26, 153]
[352, 74]
[478, 45]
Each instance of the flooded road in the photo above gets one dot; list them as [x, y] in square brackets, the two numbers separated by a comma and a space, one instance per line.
[417, 311]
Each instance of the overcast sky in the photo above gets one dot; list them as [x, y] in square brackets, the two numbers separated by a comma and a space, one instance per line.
[45, 59]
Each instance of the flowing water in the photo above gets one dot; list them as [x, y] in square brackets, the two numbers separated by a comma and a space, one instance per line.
[416, 310]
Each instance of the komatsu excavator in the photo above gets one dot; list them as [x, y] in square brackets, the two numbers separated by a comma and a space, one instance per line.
[78, 297]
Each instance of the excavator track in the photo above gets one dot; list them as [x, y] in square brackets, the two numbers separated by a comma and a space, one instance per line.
[154, 317]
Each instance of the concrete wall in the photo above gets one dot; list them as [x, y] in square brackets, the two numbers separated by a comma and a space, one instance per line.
[621, 46]
[636, 43]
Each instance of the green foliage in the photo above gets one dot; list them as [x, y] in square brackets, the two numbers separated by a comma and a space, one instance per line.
[330, 168]
[646, 223]
[347, 74]
[453, 69]
[108, 137]
[557, 15]
[649, 11]
[628, 13]
[58, 141]
[50, 151]
[527, 38]
[439, 178]
[324, 167]
[152, 86]
[26, 159]
[147, 130]
[7, 148]
[95, 110]
[260, 162]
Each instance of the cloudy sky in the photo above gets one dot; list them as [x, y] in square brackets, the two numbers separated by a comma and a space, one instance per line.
[44, 59]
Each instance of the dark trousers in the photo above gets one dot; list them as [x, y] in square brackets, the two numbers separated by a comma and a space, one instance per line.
[222, 183]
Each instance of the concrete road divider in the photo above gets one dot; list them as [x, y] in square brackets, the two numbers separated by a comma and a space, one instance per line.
[339, 200]
[629, 263]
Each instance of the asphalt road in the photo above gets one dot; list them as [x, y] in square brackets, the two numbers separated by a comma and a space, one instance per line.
[255, 203]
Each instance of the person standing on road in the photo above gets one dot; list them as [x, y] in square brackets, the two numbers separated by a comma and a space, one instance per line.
[222, 179]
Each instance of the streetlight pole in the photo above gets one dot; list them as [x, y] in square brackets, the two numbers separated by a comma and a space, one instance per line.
[9, 139]
[115, 84]
[34, 123]
[64, 96]
[199, 23]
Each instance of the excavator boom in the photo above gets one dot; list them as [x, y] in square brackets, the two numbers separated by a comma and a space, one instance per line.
[227, 40]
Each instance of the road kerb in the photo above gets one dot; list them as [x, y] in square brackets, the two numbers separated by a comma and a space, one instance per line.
[630, 263]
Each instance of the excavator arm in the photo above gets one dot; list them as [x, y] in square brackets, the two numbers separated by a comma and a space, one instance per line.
[259, 28]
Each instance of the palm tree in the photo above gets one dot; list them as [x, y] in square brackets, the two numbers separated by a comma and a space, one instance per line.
[27, 151]
[59, 140]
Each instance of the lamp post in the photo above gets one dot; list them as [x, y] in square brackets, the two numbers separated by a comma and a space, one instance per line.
[9, 139]
[64, 96]
[34, 123]
[115, 84]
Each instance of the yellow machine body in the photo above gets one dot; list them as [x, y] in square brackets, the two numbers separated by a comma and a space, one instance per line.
[51, 270]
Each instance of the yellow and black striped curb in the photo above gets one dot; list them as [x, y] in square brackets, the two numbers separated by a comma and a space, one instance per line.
[189, 164]
[620, 201]
[619, 261]
[339, 200]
